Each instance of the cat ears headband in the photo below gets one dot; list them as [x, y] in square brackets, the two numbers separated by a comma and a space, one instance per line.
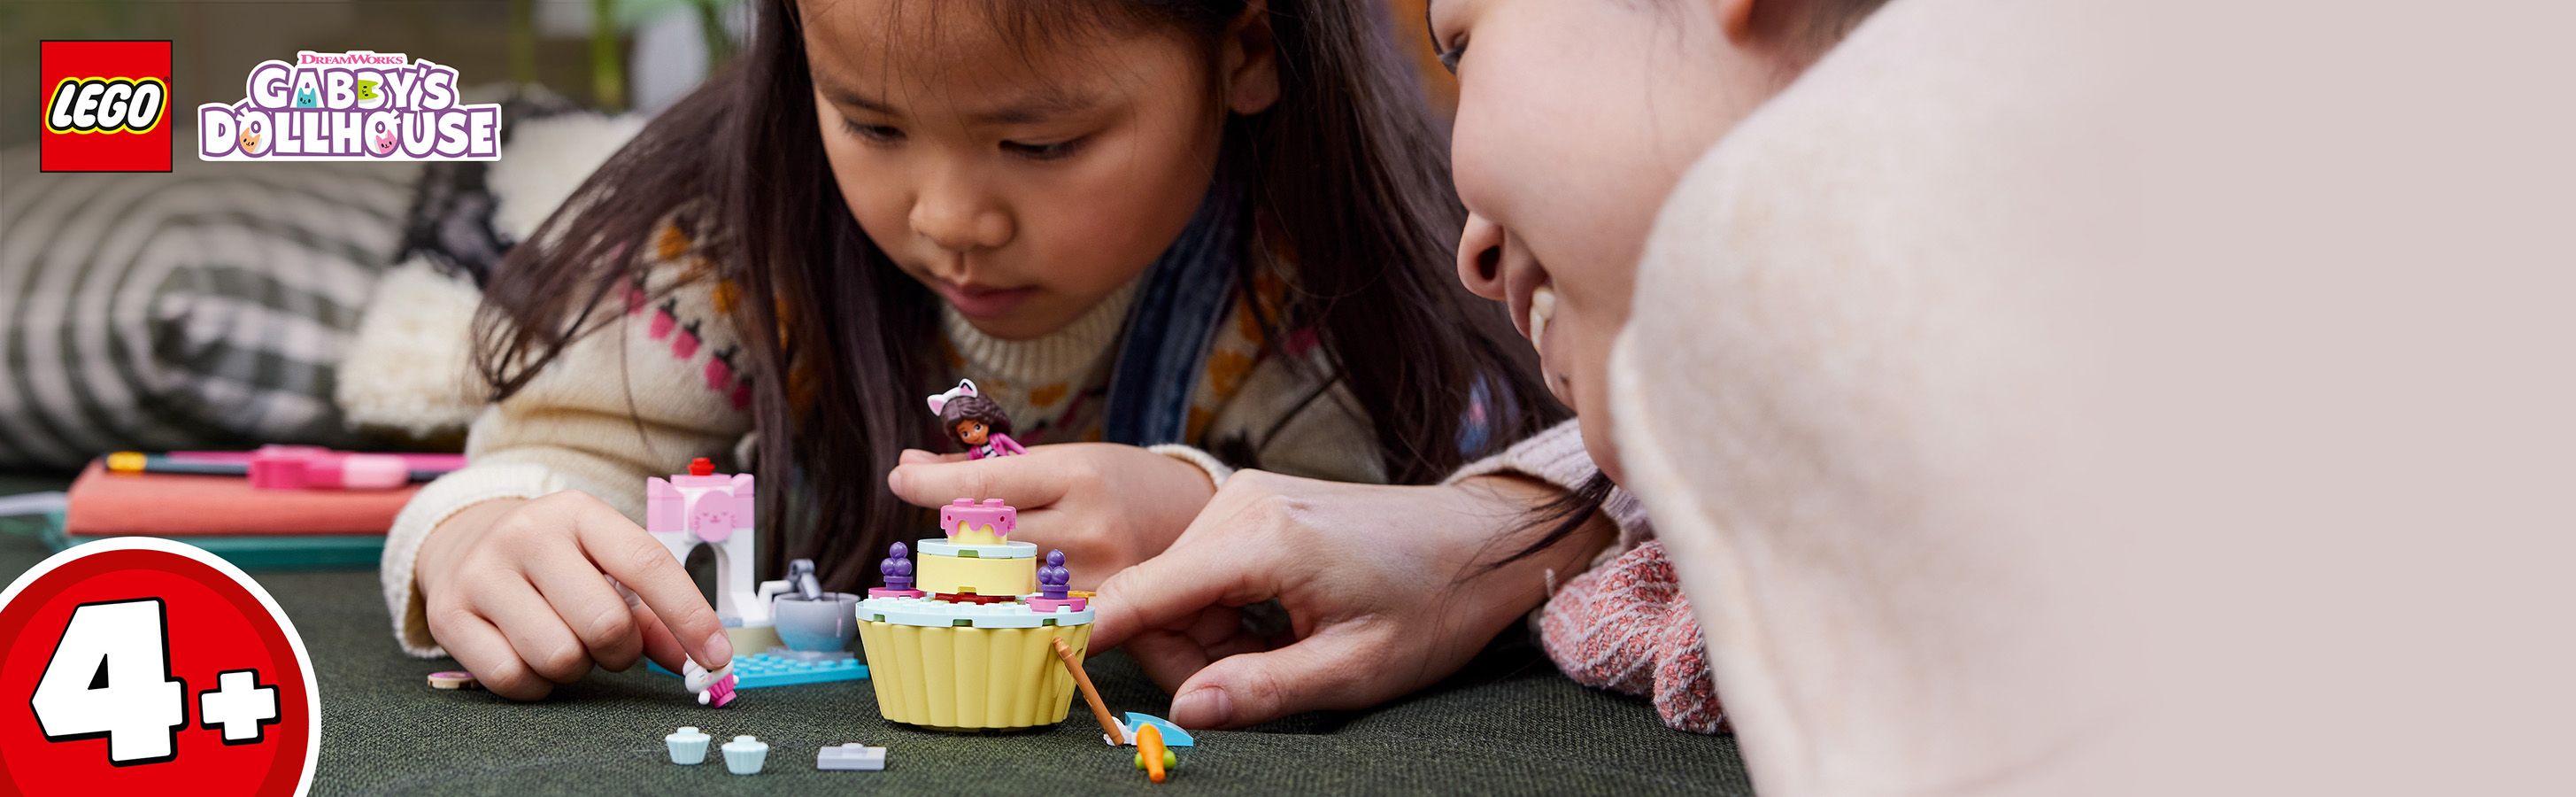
[965, 387]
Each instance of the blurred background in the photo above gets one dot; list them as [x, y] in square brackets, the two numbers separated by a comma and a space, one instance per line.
[605, 54]
[231, 305]
[228, 305]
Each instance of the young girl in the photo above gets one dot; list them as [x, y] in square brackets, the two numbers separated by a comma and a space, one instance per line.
[1208, 227]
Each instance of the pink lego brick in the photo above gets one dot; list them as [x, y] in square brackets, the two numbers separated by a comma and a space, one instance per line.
[991, 512]
[1044, 605]
[712, 505]
[881, 592]
[718, 694]
[313, 467]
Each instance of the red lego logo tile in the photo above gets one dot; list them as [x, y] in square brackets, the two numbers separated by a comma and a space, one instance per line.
[107, 106]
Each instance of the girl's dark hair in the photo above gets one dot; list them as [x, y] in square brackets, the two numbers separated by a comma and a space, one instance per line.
[974, 408]
[1346, 175]
[1561, 517]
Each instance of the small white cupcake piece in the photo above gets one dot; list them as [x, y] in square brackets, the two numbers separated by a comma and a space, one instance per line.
[688, 745]
[744, 755]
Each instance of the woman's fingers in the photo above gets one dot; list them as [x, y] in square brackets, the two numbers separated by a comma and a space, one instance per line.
[1166, 657]
[1233, 554]
[1315, 673]
[1173, 590]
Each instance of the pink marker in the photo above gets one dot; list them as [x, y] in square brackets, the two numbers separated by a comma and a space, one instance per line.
[291, 467]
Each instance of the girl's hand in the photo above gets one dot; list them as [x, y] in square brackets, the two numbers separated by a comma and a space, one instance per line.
[1382, 586]
[519, 592]
[1108, 506]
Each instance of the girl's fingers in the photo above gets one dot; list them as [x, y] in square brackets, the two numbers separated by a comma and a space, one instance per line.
[659, 644]
[483, 651]
[626, 553]
[594, 611]
[534, 630]
[1027, 481]
[915, 455]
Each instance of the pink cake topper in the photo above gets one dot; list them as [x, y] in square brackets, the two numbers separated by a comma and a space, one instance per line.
[973, 516]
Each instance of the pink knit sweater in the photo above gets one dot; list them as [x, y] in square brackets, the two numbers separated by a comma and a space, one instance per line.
[1623, 624]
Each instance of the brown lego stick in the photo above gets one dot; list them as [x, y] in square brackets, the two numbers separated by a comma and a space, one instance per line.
[1091, 695]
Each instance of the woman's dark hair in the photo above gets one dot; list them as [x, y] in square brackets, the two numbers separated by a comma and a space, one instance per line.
[1826, 22]
[1346, 175]
[974, 408]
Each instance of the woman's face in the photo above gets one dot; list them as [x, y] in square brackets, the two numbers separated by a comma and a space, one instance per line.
[1021, 181]
[1574, 121]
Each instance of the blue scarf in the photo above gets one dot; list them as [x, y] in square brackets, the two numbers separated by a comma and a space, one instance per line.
[1173, 322]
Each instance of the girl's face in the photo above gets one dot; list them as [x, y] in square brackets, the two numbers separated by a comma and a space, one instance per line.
[1574, 120]
[971, 432]
[1021, 181]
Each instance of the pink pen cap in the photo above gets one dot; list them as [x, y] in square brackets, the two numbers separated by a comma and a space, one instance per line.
[327, 470]
[423, 466]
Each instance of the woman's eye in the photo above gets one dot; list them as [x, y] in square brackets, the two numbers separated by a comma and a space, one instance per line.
[1043, 152]
[881, 134]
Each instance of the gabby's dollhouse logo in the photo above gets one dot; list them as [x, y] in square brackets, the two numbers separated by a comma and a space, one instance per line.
[352, 106]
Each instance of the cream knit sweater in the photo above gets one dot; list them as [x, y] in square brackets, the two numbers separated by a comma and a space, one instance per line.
[1843, 393]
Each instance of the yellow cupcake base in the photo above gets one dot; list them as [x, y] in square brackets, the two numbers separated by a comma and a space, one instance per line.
[966, 679]
[955, 575]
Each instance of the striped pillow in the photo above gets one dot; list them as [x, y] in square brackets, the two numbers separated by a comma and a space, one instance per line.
[204, 307]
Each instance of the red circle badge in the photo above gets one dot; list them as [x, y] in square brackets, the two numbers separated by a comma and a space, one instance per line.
[142, 665]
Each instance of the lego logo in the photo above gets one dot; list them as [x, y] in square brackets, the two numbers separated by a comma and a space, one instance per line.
[106, 105]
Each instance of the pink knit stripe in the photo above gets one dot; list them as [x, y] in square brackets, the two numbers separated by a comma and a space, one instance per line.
[1625, 626]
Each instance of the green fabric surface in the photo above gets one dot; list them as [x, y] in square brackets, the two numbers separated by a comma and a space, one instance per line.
[1509, 724]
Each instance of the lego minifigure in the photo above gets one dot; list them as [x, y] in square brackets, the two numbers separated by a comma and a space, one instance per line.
[975, 422]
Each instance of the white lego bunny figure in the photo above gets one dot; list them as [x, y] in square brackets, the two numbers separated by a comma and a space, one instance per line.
[714, 689]
[704, 506]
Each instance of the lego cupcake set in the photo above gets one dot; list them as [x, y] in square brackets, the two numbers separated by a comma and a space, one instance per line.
[968, 643]
[961, 637]
[971, 631]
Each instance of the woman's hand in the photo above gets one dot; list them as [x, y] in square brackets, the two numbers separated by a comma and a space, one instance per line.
[519, 592]
[1107, 506]
[1384, 587]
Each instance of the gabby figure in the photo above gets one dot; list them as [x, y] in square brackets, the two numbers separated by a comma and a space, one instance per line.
[975, 422]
